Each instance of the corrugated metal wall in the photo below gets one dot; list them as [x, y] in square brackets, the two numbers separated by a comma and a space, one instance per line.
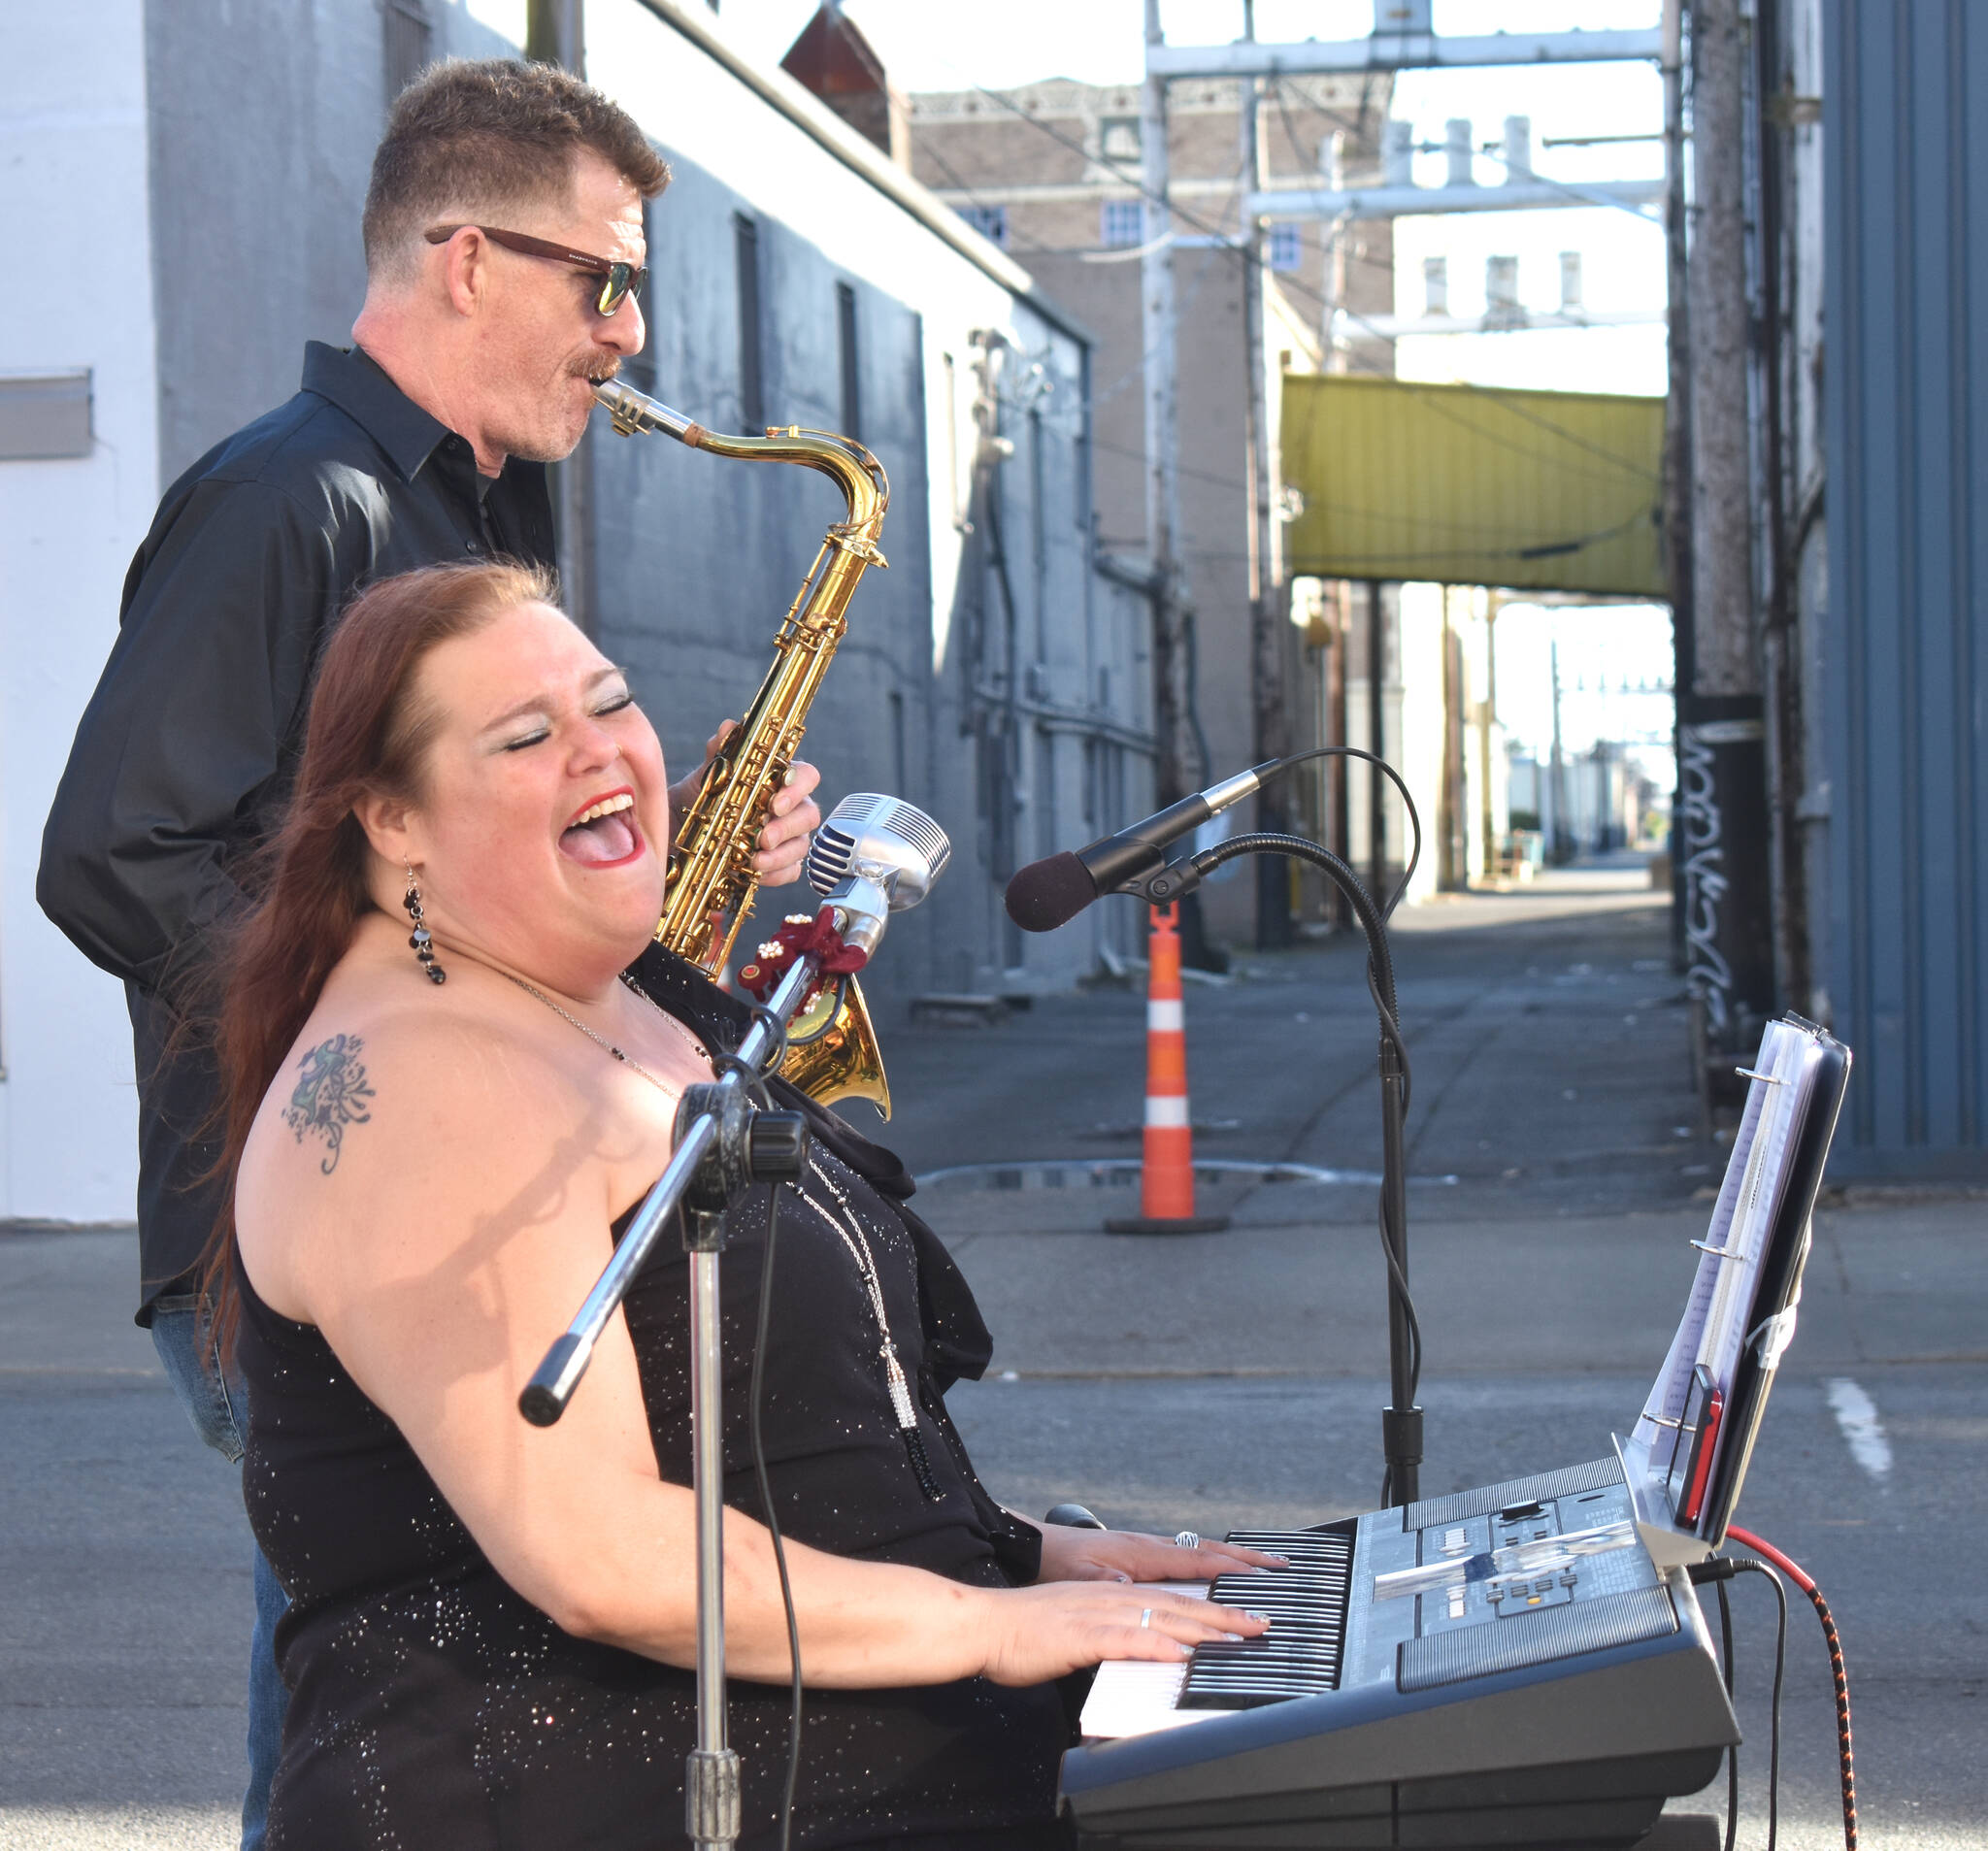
[1906, 129]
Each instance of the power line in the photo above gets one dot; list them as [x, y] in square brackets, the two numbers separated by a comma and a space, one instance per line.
[1224, 242]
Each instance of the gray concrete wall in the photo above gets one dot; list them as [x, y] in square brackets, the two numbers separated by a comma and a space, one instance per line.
[262, 122]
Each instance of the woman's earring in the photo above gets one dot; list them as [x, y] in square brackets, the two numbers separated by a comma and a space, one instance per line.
[423, 951]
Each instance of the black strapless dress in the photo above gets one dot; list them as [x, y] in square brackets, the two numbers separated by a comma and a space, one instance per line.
[432, 1706]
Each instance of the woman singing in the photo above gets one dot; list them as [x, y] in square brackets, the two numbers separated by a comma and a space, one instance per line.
[454, 1062]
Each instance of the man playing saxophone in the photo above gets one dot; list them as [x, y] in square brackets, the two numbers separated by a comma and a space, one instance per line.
[505, 255]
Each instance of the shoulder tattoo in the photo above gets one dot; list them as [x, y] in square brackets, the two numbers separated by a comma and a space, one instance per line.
[331, 1094]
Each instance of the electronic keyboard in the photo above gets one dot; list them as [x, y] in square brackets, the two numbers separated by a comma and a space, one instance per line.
[1498, 1666]
[1524, 1665]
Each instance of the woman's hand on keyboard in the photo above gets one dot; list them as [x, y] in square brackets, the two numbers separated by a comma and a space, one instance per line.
[1125, 1555]
[1040, 1632]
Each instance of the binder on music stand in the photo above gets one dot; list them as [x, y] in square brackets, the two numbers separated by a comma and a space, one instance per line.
[1687, 1457]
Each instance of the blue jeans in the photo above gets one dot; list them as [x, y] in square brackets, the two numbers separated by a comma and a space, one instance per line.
[217, 1405]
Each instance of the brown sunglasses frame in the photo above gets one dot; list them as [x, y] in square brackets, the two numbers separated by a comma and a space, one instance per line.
[637, 274]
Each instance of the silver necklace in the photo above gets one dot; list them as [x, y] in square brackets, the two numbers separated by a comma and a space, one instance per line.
[858, 1244]
[697, 1047]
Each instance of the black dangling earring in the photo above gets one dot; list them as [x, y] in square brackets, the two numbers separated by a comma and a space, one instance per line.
[423, 950]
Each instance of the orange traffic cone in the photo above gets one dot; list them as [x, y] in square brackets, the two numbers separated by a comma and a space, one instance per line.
[1166, 1181]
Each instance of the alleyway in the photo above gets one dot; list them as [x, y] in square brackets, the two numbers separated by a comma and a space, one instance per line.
[1196, 1381]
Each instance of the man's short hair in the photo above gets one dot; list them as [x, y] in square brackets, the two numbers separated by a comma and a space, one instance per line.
[475, 139]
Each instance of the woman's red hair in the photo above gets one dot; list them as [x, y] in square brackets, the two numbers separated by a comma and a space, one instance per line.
[367, 734]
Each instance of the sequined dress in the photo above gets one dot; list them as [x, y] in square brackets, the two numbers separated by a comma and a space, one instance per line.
[433, 1706]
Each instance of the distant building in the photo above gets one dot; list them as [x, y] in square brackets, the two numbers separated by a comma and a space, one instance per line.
[1051, 172]
[798, 276]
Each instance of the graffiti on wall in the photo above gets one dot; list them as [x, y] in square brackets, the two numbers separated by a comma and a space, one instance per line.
[1709, 975]
[1706, 883]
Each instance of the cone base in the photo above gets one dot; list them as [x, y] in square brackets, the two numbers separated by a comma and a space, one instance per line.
[1167, 1224]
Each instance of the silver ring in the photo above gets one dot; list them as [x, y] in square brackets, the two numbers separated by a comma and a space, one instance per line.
[1187, 1539]
[1147, 1618]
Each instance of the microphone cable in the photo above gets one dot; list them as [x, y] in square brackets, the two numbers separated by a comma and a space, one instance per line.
[1408, 804]
[756, 1079]
[1720, 1569]
[1380, 986]
[1838, 1675]
[772, 1523]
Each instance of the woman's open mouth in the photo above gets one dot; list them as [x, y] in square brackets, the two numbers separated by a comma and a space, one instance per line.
[605, 833]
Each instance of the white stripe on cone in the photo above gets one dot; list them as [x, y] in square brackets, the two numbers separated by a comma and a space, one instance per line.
[1166, 1112]
[1164, 1013]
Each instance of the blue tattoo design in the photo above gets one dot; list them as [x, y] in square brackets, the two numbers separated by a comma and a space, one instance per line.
[330, 1095]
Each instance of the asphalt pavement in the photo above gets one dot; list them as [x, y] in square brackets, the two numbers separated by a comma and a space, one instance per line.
[1559, 1168]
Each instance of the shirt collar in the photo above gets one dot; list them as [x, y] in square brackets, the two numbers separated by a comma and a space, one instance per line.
[359, 386]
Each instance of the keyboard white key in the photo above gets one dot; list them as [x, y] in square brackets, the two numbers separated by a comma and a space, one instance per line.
[1132, 1696]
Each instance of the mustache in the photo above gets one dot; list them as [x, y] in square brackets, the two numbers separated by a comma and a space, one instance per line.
[597, 372]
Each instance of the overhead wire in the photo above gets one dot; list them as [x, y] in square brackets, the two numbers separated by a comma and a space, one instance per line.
[1227, 243]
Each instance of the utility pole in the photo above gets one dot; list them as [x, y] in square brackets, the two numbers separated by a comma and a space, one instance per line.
[1557, 848]
[1779, 638]
[1677, 444]
[1269, 715]
[1162, 435]
[1728, 923]
[556, 33]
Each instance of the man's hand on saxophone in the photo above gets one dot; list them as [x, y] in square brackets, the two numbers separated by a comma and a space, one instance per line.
[784, 842]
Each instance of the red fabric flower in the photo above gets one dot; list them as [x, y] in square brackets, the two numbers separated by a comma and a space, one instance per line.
[801, 936]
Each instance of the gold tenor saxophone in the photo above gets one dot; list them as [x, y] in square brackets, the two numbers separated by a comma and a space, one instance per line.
[710, 884]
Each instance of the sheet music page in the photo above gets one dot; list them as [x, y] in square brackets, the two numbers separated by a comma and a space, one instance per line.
[1666, 1401]
[1727, 1321]
[1714, 1328]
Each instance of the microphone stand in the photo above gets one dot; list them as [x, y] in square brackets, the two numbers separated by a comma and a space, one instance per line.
[1401, 1422]
[724, 1141]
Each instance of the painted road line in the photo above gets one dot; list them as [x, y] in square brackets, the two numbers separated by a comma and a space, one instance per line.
[1862, 1432]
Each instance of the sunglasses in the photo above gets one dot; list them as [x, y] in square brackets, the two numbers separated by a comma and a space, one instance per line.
[619, 280]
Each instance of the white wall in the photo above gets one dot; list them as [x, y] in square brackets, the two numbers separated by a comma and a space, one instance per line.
[73, 193]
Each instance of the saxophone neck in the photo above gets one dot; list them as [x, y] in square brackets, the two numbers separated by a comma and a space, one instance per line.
[855, 470]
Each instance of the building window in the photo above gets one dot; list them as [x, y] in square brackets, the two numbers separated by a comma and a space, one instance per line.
[990, 221]
[751, 370]
[1501, 291]
[1569, 280]
[1435, 285]
[1285, 248]
[409, 38]
[1124, 223]
[851, 357]
[1118, 138]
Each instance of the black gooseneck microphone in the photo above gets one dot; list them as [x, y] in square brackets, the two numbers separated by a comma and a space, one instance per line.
[1052, 892]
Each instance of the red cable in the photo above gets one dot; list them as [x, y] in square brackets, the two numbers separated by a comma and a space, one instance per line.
[1747, 1539]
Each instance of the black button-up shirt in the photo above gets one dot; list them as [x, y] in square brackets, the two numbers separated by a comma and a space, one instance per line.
[185, 754]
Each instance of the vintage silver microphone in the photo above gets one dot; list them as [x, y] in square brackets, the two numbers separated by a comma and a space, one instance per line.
[875, 856]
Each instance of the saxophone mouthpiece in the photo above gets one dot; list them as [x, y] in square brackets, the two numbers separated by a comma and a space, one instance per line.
[636, 411]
